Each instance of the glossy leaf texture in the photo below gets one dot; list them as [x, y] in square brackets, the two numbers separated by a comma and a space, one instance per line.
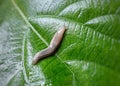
[89, 54]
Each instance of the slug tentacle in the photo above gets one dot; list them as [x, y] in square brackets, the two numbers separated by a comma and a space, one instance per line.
[55, 42]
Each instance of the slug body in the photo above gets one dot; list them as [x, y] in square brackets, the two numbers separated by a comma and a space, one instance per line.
[55, 42]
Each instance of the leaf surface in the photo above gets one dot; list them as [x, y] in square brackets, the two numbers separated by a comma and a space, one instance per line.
[89, 54]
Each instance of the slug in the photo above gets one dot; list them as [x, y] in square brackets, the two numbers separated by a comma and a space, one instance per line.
[55, 42]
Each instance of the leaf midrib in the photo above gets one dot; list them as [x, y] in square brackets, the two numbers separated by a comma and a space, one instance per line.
[38, 34]
[28, 23]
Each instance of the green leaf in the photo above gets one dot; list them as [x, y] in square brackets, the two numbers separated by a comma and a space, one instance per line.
[89, 54]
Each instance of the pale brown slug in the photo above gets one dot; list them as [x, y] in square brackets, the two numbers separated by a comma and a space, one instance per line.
[55, 42]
